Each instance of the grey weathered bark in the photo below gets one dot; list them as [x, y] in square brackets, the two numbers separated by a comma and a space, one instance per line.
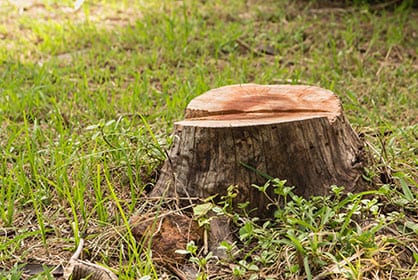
[292, 132]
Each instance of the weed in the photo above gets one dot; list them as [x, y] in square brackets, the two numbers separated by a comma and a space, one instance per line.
[335, 235]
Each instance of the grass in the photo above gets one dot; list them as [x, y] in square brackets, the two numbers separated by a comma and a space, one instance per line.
[88, 101]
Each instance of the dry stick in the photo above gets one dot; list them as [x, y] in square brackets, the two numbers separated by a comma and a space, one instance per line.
[77, 253]
[78, 269]
[177, 272]
[329, 10]
[69, 269]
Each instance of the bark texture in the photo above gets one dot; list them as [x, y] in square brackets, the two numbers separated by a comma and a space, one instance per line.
[297, 133]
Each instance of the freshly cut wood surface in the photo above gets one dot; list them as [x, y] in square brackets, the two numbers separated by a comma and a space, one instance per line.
[257, 104]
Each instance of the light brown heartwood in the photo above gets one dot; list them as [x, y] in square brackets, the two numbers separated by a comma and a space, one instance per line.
[233, 134]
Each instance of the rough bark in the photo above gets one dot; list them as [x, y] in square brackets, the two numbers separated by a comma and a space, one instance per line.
[297, 133]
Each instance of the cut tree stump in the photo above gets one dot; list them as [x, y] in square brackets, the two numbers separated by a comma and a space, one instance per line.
[291, 132]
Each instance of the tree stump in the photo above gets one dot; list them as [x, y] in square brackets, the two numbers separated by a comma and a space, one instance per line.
[292, 132]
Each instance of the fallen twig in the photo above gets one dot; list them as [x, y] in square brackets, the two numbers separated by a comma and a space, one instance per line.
[78, 269]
